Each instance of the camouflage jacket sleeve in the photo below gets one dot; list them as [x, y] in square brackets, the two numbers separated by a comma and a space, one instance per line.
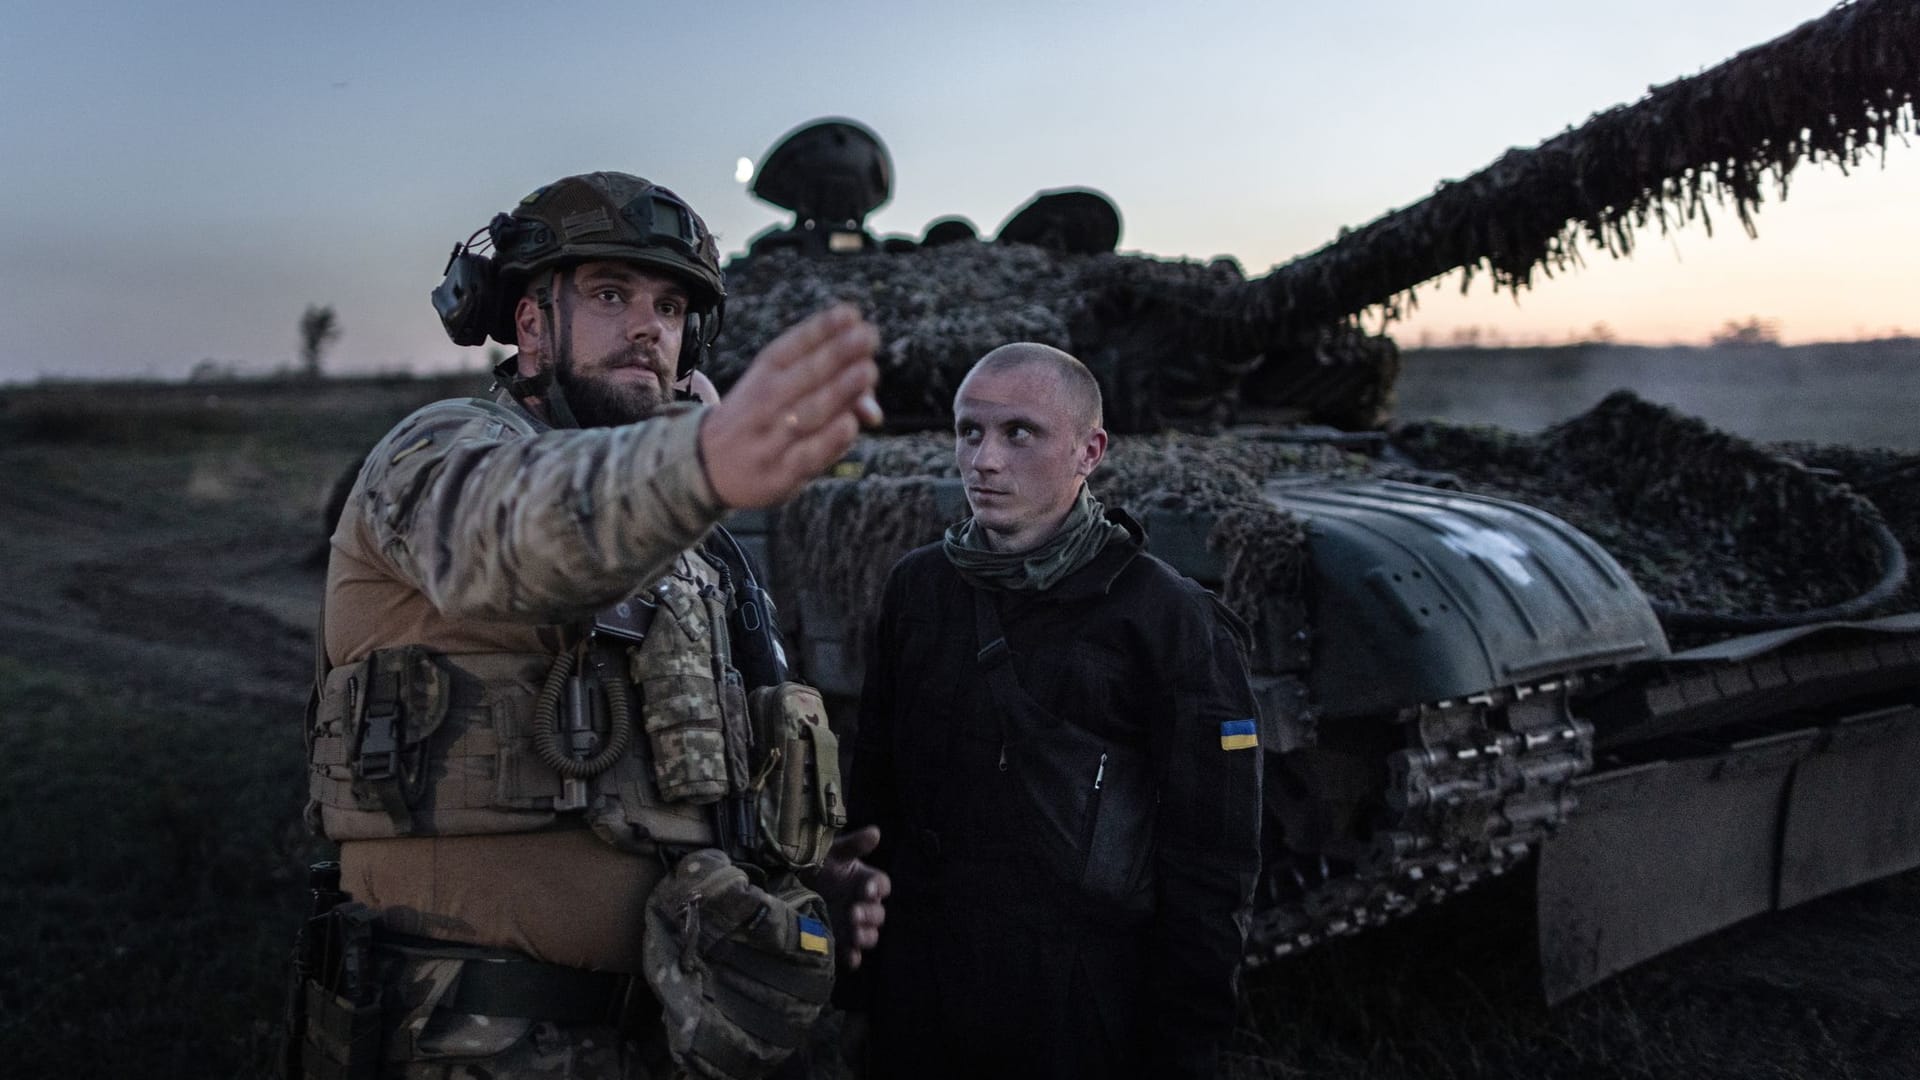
[491, 521]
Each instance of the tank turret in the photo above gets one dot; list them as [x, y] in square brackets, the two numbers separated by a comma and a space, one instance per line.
[1190, 345]
[1664, 668]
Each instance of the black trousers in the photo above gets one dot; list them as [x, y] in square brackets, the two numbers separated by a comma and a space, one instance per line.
[1005, 992]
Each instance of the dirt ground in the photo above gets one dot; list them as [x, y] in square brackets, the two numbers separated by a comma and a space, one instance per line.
[158, 582]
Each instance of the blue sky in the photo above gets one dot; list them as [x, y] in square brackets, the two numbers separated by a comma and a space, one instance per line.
[178, 181]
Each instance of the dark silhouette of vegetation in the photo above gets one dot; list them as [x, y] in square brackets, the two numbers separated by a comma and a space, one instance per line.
[319, 329]
[1755, 331]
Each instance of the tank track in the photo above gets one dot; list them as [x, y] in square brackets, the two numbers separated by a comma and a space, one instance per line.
[1480, 781]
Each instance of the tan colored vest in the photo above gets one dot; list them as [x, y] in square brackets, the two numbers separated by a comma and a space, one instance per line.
[414, 742]
[438, 739]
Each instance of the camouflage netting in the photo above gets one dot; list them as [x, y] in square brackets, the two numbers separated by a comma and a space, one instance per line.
[1890, 479]
[1180, 344]
[1835, 90]
[839, 537]
[940, 309]
[1703, 520]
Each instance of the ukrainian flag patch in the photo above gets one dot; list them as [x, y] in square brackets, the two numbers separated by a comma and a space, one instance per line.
[813, 936]
[1238, 735]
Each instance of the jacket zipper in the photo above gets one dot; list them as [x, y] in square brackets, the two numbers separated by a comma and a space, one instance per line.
[1093, 820]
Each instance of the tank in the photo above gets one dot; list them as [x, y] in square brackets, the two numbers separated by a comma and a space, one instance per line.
[1669, 672]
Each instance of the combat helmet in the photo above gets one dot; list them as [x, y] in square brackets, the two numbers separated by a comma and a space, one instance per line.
[601, 215]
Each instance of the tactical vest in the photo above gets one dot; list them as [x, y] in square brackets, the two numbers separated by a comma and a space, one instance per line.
[412, 742]
[642, 733]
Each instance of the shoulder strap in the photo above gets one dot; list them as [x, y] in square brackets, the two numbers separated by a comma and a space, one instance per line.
[1019, 712]
[320, 670]
[759, 654]
[996, 661]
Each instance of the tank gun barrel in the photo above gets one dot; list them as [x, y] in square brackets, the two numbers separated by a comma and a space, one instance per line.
[1831, 91]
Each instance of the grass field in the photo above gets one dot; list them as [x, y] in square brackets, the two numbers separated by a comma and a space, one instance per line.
[158, 590]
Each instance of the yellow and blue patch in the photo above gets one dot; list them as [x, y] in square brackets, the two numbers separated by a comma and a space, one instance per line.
[1239, 735]
[813, 936]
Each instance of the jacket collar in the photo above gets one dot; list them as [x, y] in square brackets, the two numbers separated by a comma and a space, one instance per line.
[505, 397]
[1097, 577]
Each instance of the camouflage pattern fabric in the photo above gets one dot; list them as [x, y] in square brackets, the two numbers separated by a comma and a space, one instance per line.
[426, 1042]
[674, 669]
[741, 972]
[458, 503]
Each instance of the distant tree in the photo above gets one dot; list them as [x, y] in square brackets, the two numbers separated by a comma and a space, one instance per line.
[319, 329]
[1755, 331]
[210, 370]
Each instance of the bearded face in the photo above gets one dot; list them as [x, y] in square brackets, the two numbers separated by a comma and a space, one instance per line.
[618, 346]
[611, 390]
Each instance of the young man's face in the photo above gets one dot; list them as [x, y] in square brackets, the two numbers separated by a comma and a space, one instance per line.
[1022, 449]
[620, 344]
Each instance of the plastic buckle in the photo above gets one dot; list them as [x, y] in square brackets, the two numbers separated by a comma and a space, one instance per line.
[380, 744]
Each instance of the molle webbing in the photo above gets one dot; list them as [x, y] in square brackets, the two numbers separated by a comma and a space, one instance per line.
[409, 742]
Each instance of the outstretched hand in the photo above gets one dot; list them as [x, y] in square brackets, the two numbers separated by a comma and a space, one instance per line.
[855, 893]
[795, 411]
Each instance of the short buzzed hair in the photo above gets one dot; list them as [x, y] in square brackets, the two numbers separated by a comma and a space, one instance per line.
[1082, 389]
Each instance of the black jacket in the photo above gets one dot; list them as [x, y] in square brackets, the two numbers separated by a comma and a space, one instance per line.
[1084, 856]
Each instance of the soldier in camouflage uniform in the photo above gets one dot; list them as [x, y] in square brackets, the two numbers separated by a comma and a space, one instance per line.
[519, 767]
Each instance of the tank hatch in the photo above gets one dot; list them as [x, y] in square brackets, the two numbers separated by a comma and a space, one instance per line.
[1068, 221]
[831, 173]
[1422, 595]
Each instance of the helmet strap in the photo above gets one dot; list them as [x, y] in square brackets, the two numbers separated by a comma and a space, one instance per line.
[560, 335]
[544, 385]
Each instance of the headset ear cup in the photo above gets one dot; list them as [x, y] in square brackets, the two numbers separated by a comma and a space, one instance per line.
[696, 344]
[693, 345]
[467, 299]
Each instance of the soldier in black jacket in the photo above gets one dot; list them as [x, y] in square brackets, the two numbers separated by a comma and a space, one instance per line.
[1058, 743]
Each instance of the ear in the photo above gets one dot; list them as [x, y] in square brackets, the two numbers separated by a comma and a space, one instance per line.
[530, 331]
[1093, 448]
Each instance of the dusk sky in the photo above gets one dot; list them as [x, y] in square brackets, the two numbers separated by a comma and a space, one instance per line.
[179, 181]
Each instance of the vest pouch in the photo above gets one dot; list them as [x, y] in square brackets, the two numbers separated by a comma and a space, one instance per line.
[796, 778]
[741, 971]
[681, 699]
[367, 747]
[340, 1031]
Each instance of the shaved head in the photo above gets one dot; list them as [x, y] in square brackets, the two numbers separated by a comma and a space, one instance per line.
[1079, 389]
[1026, 435]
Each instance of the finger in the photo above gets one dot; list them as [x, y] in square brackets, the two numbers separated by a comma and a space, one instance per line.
[823, 411]
[803, 338]
[857, 844]
[811, 455]
[853, 347]
[843, 393]
[776, 397]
